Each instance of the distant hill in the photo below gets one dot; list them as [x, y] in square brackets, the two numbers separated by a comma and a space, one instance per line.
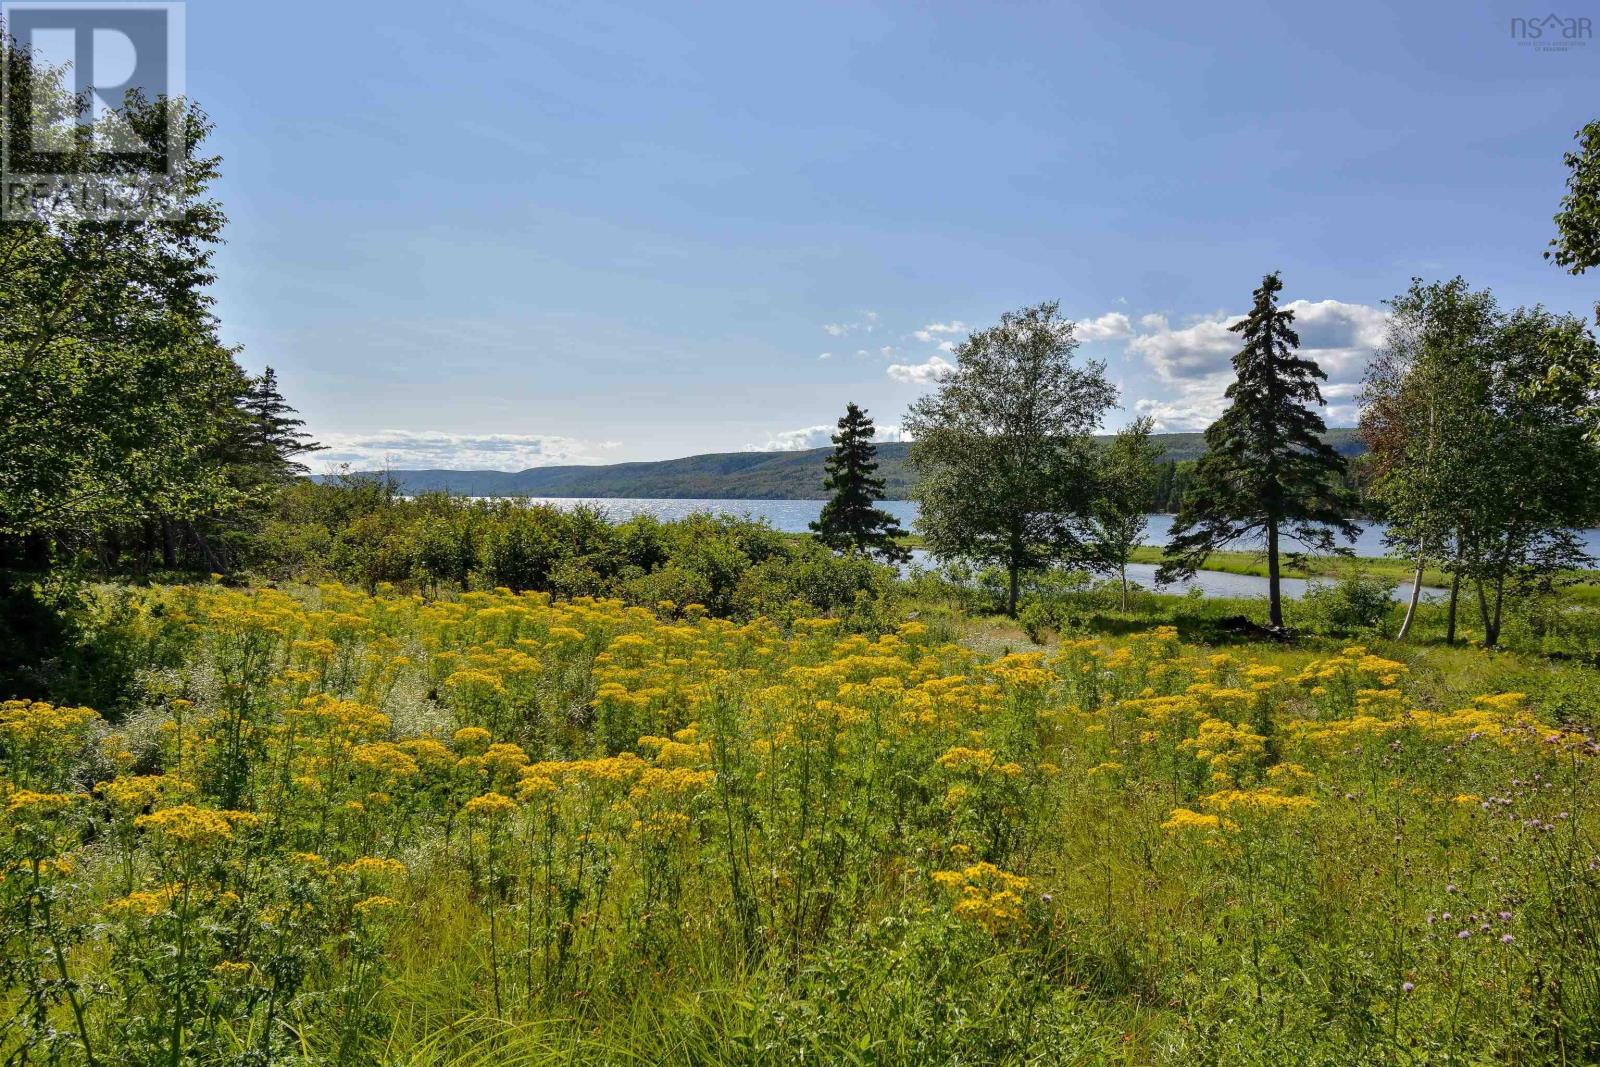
[724, 475]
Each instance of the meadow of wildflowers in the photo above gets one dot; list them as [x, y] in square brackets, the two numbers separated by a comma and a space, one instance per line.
[344, 828]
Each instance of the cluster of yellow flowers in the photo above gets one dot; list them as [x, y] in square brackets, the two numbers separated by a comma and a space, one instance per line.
[26, 722]
[1232, 809]
[1227, 747]
[986, 895]
[187, 824]
[490, 806]
[32, 804]
[143, 903]
[977, 762]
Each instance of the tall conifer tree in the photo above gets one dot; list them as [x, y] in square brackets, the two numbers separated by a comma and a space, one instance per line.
[274, 435]
[1266, 473]
[849, 521]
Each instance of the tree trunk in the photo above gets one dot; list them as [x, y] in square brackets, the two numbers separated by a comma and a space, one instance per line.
[1274, 583]
[1416, 593]
[1492, 633]
[1123, 573]
[205, 548]
[1455, 597]
[169, 546]
[1483, 615]
[1013, 571]
[35, 552]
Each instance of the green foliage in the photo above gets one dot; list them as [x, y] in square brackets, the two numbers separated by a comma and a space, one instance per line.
[1418, 410]
[115, 394]
[1357, 603]
[1533, 440]
[1002, 450]
[129, 435]
[1060, 602]
[849, 522]
[356, 529]
[1267, 472]
[1576, 247]
[1125, 479]
[1453, 417]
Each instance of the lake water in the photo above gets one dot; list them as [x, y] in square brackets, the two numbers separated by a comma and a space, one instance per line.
[794, 516]
[1217, 583]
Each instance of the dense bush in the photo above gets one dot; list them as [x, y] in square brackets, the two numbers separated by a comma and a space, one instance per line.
[1356, 603]
[353, 531]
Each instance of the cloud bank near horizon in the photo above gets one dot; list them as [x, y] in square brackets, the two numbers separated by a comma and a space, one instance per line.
[438, 449]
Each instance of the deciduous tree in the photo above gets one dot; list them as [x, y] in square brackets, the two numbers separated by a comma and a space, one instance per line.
[1531, 477]
[115, 395]
[1002, 449]
[1420, 411]
[1576, 247]
[1125, 481]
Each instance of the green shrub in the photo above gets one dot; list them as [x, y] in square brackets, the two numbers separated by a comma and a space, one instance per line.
[1356, 603]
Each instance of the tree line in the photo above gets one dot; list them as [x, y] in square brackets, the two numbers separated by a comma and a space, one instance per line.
[1483, 456]
[126, 424]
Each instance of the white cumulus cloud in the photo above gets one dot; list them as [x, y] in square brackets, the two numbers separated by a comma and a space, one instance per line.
[816, 437]
[934, 370]
[794, 440]
[866, 324]
[1111, 326]
[1193, 362]
[934, 330]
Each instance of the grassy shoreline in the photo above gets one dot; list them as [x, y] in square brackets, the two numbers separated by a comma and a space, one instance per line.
[1254, 563]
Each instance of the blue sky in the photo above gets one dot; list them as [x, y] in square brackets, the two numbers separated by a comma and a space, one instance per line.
[507, 234]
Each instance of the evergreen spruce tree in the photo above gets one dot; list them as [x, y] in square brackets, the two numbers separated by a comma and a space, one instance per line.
[1266, 473]
[849, 522]
[273, 434]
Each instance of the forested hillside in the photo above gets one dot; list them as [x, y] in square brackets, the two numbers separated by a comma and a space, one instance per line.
[728, 475]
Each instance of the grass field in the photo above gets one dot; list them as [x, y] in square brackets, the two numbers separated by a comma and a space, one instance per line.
[341, 828]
